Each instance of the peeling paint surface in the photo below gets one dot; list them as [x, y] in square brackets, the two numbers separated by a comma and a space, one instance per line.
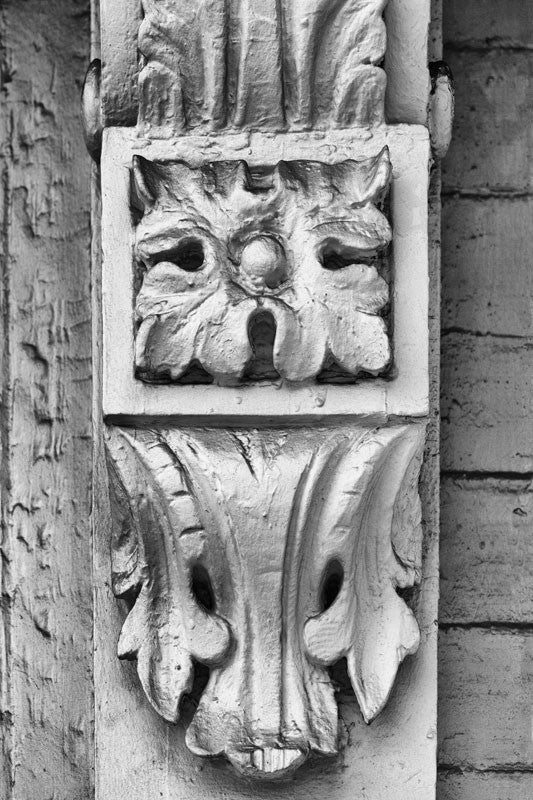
[46, 651]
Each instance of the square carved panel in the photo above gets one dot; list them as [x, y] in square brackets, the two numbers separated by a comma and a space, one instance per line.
[275, 273]
[279, 274]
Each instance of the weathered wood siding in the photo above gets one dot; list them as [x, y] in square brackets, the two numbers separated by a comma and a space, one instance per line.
[486, 611]
[46, 649]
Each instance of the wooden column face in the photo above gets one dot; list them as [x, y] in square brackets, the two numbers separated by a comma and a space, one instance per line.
[264, 397]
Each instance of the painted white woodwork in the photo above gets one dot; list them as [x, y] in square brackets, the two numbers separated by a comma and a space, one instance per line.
[267, 555]
[404, 391]
[218, 245]
[265, 396]
[405, 63]
[269, 65]
[119, 33]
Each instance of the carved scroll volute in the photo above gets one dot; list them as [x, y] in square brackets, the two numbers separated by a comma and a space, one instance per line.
[265, 390]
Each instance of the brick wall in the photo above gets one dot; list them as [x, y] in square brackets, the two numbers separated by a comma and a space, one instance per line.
[486, 612]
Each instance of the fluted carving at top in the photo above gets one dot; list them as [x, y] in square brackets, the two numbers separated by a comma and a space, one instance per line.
[278, 64]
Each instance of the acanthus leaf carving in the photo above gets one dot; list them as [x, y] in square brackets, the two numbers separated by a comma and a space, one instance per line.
[369, 624]
[214, 64]
[268, 517]
[300, 242]
[166, 627]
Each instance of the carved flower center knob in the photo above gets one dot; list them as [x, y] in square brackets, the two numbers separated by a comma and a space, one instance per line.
[263, 263]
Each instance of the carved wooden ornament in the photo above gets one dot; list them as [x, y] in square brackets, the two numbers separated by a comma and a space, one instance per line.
[268, 555]
[265, 366]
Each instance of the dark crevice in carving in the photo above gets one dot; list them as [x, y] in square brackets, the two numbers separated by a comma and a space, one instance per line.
[139, 271]
[331, 584]
[340, 680]
[137, 207]
[262, 334]
[202, 588]
[130, 595]
[191, 701]
[334, 373]
[194, 374]
[408, 594]
[335, 256]
[188, 255]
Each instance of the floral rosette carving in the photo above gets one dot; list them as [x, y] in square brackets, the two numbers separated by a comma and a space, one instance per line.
[300, 242]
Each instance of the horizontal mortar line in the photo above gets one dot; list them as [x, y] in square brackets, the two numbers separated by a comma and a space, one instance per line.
[485, 334]
[500, 627]
[506, 769]
[476, 475]
[488, 193]
[487, 46]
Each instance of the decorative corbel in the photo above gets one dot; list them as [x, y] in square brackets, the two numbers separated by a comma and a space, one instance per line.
[264, 373]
